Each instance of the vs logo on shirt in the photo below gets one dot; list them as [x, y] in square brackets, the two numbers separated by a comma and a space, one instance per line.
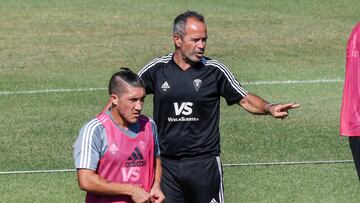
[184, 108]
[132, 173]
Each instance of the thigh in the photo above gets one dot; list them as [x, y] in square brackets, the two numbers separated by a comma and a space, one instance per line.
[169, 181]
[202, 180]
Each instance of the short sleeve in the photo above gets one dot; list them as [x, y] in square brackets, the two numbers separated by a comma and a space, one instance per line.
[147, 75]
[88, 146]
[156, 140]
[228, 85]
[149, 71]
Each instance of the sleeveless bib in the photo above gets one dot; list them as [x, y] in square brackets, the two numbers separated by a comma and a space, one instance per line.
[126, 160]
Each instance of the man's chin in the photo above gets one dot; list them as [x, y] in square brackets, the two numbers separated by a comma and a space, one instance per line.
[134, 119]
[194, 60]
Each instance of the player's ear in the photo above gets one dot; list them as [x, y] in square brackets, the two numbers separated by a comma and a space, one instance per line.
[114, 99]
[177, 40]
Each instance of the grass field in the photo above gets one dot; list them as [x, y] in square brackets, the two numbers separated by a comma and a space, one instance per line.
[71, 45]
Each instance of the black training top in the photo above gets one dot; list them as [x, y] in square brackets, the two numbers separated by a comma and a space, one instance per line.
[187, 104]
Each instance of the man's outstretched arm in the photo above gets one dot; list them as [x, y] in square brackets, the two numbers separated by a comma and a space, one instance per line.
[256, 105]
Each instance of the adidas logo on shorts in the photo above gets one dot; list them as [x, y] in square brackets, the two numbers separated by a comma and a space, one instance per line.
[213, 201]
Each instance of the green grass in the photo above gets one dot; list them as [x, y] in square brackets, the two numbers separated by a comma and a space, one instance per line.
[41, 187]
[79, 44]
[300, 183]
[310, 133]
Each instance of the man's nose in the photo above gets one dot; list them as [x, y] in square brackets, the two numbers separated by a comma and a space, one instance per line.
[201, 44]
[139, 105]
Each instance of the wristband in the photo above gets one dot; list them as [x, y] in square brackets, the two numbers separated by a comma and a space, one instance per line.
[270, 105]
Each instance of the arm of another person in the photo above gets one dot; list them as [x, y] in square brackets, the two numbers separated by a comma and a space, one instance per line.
[157, 195]
[106, 107]
[256, 105]
[90, 181]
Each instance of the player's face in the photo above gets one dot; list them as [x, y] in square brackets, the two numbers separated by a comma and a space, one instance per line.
[192, 44]
[129, 105]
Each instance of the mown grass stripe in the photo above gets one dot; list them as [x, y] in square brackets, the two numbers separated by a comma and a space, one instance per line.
[4, 93]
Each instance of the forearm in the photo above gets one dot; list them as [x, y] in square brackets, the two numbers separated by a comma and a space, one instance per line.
[157, 196]
[91, 182]
[158, 172]
[255, 104]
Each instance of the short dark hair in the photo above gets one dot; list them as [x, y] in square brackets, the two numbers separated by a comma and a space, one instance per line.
[124, 76]
[180, 21]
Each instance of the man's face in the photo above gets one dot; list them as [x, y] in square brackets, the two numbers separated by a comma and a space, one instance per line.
[192, 44]
[129, 105]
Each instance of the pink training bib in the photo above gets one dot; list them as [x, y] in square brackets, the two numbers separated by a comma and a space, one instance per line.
[127, 160]
[350, 110]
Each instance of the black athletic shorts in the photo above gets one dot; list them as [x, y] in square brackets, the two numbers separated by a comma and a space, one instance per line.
[195, 180]
[355, 149]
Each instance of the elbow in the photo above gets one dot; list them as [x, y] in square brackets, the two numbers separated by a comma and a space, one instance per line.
[89, 181]
[90, 185]
[85, 181]
[83, 185]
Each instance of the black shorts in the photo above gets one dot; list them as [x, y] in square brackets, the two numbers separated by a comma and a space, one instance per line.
[355, 149]
[197, 180]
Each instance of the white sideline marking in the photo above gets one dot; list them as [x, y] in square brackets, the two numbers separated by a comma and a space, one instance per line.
[280, 82]
[291, 163]
[224, 165]
[37, 171]
[50, 91]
